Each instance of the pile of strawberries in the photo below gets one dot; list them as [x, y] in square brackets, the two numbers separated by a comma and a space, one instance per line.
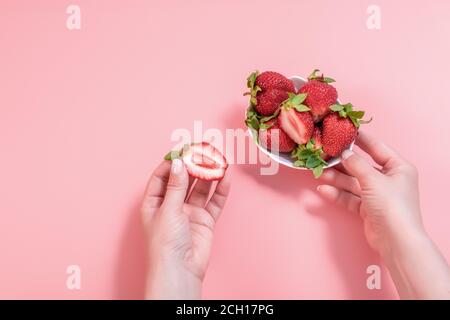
[308, 123]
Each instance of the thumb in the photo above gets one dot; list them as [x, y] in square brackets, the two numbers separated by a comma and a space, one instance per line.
[176, 186]
[358, 167]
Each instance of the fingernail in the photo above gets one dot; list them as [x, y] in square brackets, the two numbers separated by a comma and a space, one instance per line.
[176, 166]
[346, 154]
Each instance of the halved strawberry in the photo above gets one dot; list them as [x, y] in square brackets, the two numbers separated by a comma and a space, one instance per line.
[202, 161]
[273, 138]
[295, 119]
[317, 140]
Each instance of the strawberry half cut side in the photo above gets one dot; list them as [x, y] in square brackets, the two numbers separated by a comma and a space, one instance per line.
[295, 119]
[202, 161]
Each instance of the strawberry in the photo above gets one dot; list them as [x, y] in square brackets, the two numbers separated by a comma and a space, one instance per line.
[317, 139]
[295, 120]
[202, 161]
[340, 128]
[274, 80]
[338, 134]
[267, 91]
[270, 131]
[320, 95]
[268, 101]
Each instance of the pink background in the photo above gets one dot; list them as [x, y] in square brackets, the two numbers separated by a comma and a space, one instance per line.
[86, 115]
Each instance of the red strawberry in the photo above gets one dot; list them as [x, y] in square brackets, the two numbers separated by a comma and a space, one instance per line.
[295, 120]
[268, 90]
[339, 128]
[320, 95]
[317, 137]
[268, 101]
[274, 80]
[337, 134]
[266, 136]
[202, 161]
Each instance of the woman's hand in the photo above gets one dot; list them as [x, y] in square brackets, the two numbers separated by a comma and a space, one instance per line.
[387, 199]
[179, 230]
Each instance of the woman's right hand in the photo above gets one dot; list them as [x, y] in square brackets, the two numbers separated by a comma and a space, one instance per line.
[387, 199]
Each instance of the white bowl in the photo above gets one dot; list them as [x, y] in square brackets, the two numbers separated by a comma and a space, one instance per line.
[285, 158]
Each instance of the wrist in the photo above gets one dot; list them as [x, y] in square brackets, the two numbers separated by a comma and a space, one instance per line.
[168, 279]
[404, 241]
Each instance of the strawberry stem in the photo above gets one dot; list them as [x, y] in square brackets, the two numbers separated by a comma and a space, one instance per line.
[295, 101]
[346, 110]
[321, 78]
[307, 156]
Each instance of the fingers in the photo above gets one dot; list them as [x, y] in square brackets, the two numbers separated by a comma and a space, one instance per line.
[156, 187]
[340, 167]
[219, 197]
[340, 197]
[177, 186]
[359, 168]
[341, 180]
[200, 193]
[380, 153]
[189, 189]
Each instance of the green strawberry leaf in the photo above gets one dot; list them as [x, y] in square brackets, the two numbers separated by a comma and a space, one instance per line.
[313, 74]
[355, 114]
[299, 163]
[306, 156]
[251, 112]
[252, 123]
[268, 118]
[328, 80]
[295, 101]
[252, 79]
[291, 95]
[301, 108]
[355, 122]
[313, 161]
[346, 110]
[336, 107]
[310, 145]
[348, 107]
[265, 126]
[317, 171]
[254, 89]
[174, 154]
[299, 98]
